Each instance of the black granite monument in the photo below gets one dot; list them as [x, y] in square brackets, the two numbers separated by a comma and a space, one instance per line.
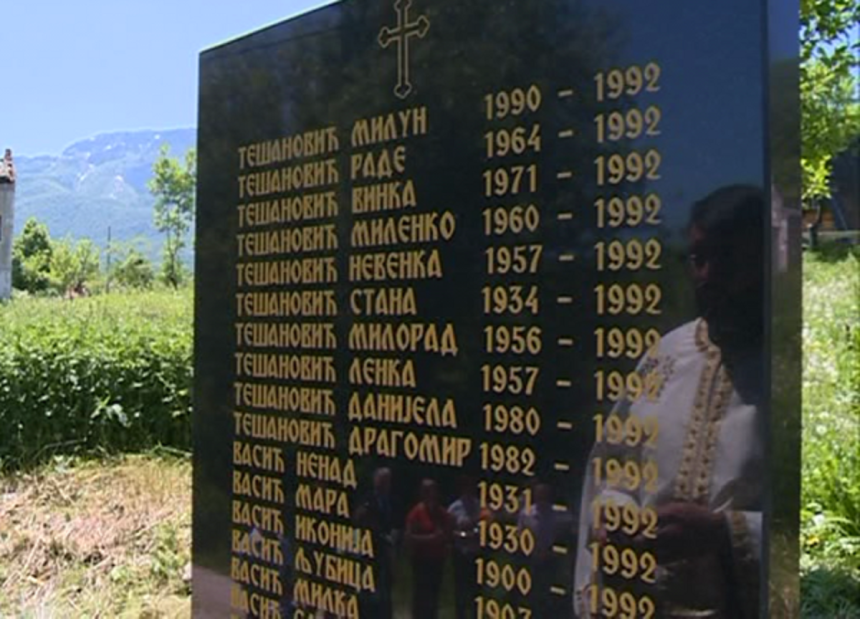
[497, 312]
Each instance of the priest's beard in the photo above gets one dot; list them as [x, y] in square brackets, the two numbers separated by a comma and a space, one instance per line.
[735, 321]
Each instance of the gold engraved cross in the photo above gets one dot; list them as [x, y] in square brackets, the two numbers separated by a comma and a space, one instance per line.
[400, 35]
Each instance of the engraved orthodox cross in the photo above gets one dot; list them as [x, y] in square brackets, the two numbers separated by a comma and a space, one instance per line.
[400, 35]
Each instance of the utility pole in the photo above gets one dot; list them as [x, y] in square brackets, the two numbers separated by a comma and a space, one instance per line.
[109, 252]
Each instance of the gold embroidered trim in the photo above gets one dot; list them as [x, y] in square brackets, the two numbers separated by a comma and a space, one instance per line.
[716, 412]
[703, 342]
[694, 476]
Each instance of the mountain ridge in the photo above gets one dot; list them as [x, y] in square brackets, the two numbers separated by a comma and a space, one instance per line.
[97, 184]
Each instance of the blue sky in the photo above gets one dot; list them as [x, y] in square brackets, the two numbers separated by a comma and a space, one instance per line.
[74, 69]
[71, 70]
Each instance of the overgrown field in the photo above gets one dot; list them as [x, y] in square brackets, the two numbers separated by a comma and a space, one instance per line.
[831, 437]
[108, 373]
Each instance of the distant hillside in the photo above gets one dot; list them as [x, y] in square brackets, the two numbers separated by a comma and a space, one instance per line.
[96, 184]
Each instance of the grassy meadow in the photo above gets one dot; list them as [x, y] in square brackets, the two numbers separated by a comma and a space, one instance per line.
[89, 530]
[831, 436]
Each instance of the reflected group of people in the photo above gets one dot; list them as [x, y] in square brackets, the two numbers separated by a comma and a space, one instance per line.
[705, 541]
[440, 540]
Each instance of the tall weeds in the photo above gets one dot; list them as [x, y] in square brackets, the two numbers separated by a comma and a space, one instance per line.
[109, 373]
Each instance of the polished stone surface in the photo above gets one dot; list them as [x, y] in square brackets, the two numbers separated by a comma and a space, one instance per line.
[538, 140]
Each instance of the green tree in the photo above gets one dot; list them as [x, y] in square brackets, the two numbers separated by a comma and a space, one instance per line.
[173, 186]
[32, 251]
[130, 268]
[830, 111]
[73, 265]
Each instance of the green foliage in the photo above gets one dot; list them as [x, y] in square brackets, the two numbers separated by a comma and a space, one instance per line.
[830, 112]
[41, 264]
[825, 25]
[130, 268]
[173, 185]
[168, 555]
[830, 123]
[73, 265]
[830, 515]
[829, 594]
[31, 258]
[110, 373]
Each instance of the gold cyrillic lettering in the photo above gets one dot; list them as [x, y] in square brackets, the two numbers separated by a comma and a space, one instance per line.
[326, 468]
[308, 336]
[302, 432]
[290, 210]
[435, 449]
[323, 598]
[377, 372]
[307, 400]
[304, 176]
[257, 546]
[302, 271]
[403, 409]
[334, 536]
[258, 487]
[307, 368]
[382, 165]
[404, 230]
[259, 456]
[304, 145]
[392, 196]
[288, 241]
[383, 302]
[323, 500]
[414, 337]
[408, 123]
[299, 304]
[417, 264]
[248, 573]
[266, 518]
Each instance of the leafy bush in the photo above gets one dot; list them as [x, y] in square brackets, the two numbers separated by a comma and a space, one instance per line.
[73, 264]
[42, 265]
[108, 373]
[132, 268]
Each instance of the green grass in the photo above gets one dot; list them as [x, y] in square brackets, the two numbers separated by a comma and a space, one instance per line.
[170, 308]
[110, 373]
[831, 437]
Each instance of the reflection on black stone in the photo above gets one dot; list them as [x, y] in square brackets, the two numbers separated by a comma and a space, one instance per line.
[428, 537]
[463, 349]
[376, 513]
[467, 516]
[695, 533]
[550, 527]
